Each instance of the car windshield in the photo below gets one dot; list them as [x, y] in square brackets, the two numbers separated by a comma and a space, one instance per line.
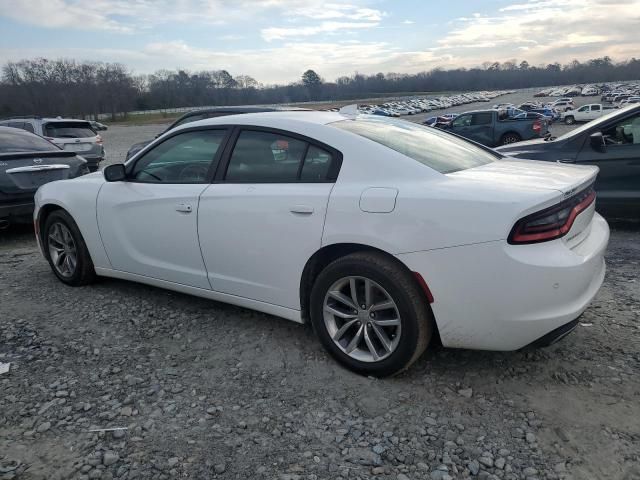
[594, 124]
[439, 150]
[19, 141]
[69, 130]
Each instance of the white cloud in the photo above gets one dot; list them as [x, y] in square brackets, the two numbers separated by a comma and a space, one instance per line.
[279, 33]
[547, 31]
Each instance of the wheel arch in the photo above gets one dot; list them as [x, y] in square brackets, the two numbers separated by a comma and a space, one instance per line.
[43, 213]
[327, 254]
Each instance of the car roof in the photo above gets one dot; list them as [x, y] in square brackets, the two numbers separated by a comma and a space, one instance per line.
[276, 119]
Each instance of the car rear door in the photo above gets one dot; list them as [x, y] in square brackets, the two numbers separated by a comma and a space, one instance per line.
[618, 183]
[148, 223]
[262, 219]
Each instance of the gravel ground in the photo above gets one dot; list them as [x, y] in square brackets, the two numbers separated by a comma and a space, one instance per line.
[207, 390]
[198, 389]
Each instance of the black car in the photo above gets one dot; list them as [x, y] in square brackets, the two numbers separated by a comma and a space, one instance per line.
[203, 113]
[612, 143]
[26, 162]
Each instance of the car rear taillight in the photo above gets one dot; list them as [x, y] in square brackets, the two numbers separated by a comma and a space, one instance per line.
[537, 126]
[553, 222]
[98, 139]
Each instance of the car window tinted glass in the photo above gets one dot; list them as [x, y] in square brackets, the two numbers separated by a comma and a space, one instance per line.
[483, 118]
[462, 121]
[595, 108]
[439, 150]
[68, 130]
[625, 132]
[191, 118]
[594, 125]
[184, 158]
[263, 157]
[28, 127]
[14, 140]
[316, 165]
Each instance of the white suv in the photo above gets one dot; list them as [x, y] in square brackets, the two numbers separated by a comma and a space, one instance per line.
[69, 134]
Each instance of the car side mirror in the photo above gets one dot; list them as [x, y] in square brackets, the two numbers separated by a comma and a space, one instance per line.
[115, 173]
[597, 142]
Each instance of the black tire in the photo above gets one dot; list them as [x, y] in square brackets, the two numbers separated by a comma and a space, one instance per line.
[570, 120]
[510, 137]
[416, 318]
[84, 272]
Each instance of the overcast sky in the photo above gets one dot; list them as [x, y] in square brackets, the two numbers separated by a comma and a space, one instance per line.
[276, 40]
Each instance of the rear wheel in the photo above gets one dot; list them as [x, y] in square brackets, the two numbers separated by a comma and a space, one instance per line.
[510, 137]
[370, 314]
[569, 120]
[66, 250]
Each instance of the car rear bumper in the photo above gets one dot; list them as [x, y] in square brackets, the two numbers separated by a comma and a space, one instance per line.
[21, 210]
[496, 296]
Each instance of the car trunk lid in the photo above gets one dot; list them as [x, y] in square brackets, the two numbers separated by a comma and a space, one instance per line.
[24, 172]
[530, 174]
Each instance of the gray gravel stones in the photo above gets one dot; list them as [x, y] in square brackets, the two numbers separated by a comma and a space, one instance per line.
[211, 391]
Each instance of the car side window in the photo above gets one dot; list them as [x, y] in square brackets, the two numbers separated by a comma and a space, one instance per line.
[265, 157]
[484, 118]
[595, 108]
[584, 109]
[625, 132]
[184, 158]
[316, 165]
[462, 121]
[28, 127]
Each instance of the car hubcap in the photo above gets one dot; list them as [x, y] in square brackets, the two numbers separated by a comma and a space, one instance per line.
[62, 249]
[362, 319]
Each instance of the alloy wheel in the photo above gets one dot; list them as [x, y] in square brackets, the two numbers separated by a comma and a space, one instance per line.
[362, 319]
[62, 249]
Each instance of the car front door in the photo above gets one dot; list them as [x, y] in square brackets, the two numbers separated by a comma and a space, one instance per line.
[618, 183]
[148, 223]
[262, 219]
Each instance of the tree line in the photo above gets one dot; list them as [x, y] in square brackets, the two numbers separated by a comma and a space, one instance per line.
[85, 89]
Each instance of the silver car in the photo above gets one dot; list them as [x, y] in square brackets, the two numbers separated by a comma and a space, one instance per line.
[70, 134]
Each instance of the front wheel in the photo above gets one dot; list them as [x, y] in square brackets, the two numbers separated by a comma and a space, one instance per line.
[508, 138]
[569, 120]
[66, 250]
[370, 314]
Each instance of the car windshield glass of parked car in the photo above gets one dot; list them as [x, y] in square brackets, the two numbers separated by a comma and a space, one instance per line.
[184, 158]
[592, 125]
[19, 141]
[68, 130]
[441, 151]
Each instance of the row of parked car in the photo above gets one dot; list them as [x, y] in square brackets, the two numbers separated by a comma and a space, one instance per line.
[415, 105]
[607, 90]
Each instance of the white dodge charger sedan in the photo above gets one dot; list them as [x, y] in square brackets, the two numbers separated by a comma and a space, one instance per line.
[381, 232]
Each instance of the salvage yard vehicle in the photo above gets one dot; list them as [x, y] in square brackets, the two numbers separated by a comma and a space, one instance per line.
[69, 134]
[26, 162]
[494, 127]
[586, 113]
[611, 143]
[201, 114]
[382, 232]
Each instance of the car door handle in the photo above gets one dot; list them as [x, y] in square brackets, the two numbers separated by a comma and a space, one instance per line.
[567, 160]
[184, 208]
[303, 209]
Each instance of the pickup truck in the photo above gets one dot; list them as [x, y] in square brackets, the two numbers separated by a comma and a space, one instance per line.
[495, 127]
[586, 113]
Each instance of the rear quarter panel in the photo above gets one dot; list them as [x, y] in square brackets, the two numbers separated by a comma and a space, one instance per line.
[78, 197]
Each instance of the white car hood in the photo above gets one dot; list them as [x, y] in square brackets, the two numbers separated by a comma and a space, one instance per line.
[531, 174]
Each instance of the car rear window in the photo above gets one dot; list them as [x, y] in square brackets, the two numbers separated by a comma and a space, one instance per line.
[15, 141]
[439, 150]
[68, 130]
